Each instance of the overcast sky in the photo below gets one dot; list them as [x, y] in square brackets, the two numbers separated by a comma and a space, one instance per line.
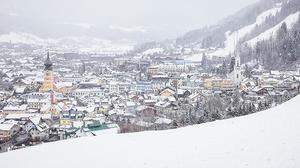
[136, 15]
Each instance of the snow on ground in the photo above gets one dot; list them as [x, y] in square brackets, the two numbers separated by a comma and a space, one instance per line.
[269, 139]
[290, 21]
[233, 37]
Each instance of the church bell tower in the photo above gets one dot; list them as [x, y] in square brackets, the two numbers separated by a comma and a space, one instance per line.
[48, 84]
[236, 70]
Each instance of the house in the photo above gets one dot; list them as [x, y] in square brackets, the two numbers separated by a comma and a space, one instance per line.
[36, 103]
[87, 92]
[114, 87]
[163, 123]
[150, 102]
[195, 97]
[167, 92]
[20, 89]
[64, 87]
[218, 84]
[18, 116]
[141, 125]
[182, 93]
[153, 70]
[65, 123]
[52, 109]
[146, 113]
[162, 105]
[15, 109]
[7, 130]
[130, 106]
[143, 87]
[260, 90]
[74, 114]
[37, 128]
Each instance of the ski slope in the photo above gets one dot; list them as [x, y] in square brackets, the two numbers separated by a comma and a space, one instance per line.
[269, 139]
[233, 37]
[290, 21]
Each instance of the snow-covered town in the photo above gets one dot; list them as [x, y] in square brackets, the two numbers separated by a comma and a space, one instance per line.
[149, 84]
[49, 96]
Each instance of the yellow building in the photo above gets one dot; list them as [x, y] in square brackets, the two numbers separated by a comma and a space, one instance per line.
[48, 84]
[218, 83]
[65, 122]
[153, 70]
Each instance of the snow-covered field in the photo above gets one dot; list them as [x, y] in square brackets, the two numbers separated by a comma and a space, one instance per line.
[269, 139]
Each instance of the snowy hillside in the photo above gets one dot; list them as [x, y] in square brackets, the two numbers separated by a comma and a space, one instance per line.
[80, 43]
[248, 27]
[266, 139]
[233, 37]
[289, 21]
[24, 38]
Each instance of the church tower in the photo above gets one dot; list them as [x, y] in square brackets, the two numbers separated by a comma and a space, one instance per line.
[236, 70]
[48, 84]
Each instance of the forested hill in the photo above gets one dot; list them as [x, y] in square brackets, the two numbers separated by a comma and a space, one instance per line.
[267, 31]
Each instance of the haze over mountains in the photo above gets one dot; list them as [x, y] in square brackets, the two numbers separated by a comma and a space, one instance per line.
[133, 20]
[117, 27]
[263, 31]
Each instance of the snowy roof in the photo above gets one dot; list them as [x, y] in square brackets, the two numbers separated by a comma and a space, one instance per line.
[181, 91]
[163, 121]
[40, 126]
[130, 104]
[15, 108]
[18, 116]
[19, 89]
[142, 107]
[162, 104]
[143, 124]
[63, 84]
[6, 126]
[36, 100]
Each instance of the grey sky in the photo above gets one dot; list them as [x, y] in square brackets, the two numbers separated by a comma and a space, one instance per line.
[177, 15]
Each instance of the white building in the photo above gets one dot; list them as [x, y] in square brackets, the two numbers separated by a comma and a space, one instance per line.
[87, 92]
[236, 74]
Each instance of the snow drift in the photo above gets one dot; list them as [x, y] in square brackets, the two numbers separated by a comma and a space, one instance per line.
[266, 139]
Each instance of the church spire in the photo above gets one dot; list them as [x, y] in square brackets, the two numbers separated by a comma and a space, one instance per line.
[48, 64]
